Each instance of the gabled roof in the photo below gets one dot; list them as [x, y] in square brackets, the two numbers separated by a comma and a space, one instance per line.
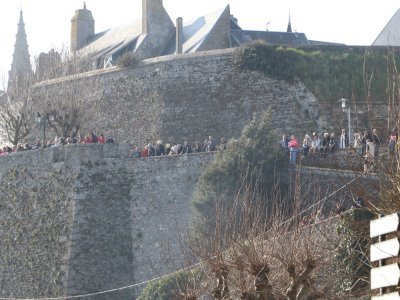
[195, 32]
[240, 37]
[390, 35]
[113, 40]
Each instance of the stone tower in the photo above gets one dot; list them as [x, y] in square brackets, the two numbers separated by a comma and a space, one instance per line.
[82, 27]
[21, 68]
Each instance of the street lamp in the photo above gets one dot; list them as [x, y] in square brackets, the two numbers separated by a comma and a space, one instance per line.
[41, 121]
[348, 110]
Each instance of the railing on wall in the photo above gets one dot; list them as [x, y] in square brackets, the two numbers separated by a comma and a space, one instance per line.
[385, 253]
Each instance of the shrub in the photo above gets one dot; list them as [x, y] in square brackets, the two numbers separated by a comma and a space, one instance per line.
[171, 286]
[255, 161]
[351, 263]
[330, 72]
[128, 60]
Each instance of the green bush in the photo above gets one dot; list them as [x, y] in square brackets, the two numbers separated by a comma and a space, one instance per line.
[255, 161]
[330, 72]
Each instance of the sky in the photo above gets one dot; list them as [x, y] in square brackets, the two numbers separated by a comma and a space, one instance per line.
[47, 22]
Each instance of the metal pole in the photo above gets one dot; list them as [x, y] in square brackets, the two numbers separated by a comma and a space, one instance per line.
[44, 133]
[350, 135]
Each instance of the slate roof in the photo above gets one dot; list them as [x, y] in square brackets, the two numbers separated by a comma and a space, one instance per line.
[390, 35]
[240, 37]
[113, 40]
[195, 32]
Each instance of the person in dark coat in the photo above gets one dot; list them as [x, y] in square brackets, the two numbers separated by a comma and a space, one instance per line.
[151, 149]
[160, 149]
[366, 136]
[186, 148]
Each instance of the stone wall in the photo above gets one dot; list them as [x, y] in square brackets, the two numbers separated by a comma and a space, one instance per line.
[189, 96]
[87, 218]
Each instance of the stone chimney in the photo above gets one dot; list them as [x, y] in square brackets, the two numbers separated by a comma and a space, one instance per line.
[157, 29]
[179, 35]
[153, 17]
[82, 27]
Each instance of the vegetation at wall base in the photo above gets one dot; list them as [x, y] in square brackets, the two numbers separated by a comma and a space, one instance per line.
[330, 72]
[255, 161]
[351, 258]
[173, 286]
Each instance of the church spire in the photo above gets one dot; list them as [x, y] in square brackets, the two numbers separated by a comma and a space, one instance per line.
[289, 27]
[21, 66]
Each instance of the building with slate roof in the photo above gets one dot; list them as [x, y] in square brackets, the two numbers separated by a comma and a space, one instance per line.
[155, 34]
[390, 35]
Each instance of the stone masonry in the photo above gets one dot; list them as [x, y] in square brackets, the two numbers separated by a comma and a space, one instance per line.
[189, 96]
[87, 218]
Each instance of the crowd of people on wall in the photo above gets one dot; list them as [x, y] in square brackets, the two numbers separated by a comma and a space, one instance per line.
[366, 144]
[90, 138]
[159, 149]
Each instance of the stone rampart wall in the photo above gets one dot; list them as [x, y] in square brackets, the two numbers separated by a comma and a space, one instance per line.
[86, 218]
[189, 96]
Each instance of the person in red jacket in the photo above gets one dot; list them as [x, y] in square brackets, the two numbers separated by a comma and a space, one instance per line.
[145, 152]
[101, 139]
[293, 146]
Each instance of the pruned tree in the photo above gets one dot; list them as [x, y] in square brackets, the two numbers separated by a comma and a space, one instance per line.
[14, 116]
[266, 258]
[14, 123]
[64, 105]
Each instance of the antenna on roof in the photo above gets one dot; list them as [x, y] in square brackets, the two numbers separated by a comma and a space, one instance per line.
[266, 25]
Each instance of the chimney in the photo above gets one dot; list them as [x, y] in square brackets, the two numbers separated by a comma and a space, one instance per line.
[179, 35]
[82, 27]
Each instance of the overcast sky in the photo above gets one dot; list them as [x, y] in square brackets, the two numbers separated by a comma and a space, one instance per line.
[47, 22]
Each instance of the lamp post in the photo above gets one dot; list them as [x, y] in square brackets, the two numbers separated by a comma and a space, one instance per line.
[348, 110]
[41, 122]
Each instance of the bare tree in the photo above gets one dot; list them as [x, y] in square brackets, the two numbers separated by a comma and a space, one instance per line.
[14, 121]
[267, 258]
[63, 104]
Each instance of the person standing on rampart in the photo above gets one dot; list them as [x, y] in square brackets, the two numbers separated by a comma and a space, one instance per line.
[293, 147]
[306, 145]
[315, 144]
[392, 142]
[377, 142]
[332, 143]
[344, 140]
[160, 149]
[366, 136]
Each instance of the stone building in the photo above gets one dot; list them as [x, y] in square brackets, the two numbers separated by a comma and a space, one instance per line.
[156, 35]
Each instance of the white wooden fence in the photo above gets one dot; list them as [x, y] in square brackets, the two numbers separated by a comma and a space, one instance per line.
[386, 275]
